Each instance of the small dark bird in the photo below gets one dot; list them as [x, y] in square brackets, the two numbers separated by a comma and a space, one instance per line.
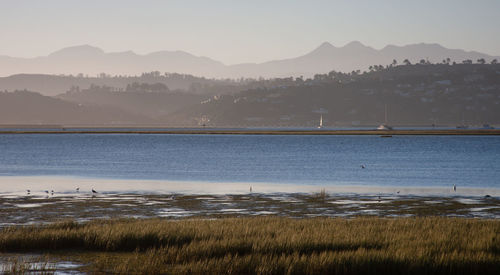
[28, 191]
[46, 191]
[398, 192]
[363, 166]
[52, 192]
[454, 188]
[250, 189]
[93, 191]
[78, 189]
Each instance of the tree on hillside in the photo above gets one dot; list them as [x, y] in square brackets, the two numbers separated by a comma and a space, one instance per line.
[407, 62]
[481, 61]
[494, 61]
[145, 87]
[331, 74]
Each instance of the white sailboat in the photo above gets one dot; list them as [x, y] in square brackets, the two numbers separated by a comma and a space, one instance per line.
[320, 122]
[384, 126]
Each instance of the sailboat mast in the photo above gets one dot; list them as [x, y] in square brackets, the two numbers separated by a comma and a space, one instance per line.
[385, 114]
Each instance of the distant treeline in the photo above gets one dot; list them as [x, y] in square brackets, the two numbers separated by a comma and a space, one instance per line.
[419, 94]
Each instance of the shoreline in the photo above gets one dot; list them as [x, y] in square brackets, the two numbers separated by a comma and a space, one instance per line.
[65, 185]
[41, 206]
[249, 131]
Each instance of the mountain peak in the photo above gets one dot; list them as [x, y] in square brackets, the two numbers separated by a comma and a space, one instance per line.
[416, 45]
[325, 46]
[78, 51]
[171, 53]
[428, 45]
[354, 44]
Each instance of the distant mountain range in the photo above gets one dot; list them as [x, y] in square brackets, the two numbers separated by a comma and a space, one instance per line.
[90, 60]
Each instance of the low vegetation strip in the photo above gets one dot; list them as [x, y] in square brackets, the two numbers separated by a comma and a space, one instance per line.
[269, 245]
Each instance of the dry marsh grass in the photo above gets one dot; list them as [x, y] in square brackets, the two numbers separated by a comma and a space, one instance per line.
[26, 265]
[270, 245]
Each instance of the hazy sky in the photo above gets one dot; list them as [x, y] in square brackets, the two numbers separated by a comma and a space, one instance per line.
[235, 31]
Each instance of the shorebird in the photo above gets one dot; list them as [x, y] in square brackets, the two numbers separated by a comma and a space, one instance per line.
[28, 191]
[46, 191]
[93, 191]
[363, 166]
[454, 188]
[78, 189]
[398, 192]
[250, 189]
[52, 192]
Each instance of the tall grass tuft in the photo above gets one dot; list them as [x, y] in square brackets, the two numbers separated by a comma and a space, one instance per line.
[321, 196]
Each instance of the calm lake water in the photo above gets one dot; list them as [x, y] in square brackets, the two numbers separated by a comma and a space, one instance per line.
[413, 161]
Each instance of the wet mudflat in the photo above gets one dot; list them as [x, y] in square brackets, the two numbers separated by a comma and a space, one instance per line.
[40, 209]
